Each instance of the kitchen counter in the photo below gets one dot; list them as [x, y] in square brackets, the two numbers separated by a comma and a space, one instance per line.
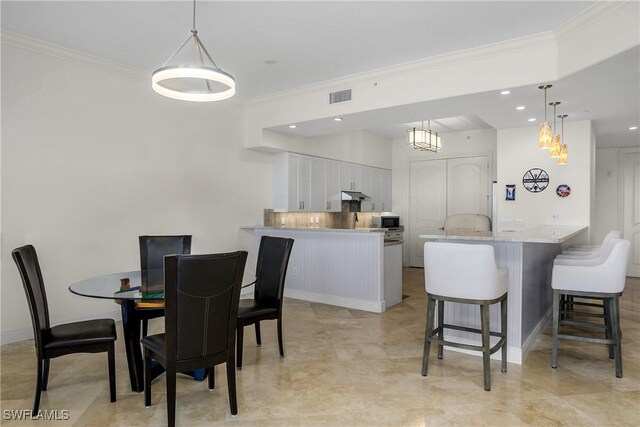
[541, 234]
[319, 229]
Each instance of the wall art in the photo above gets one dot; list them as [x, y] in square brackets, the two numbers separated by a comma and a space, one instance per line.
[535, 180]
[563, 190]
[511, 192]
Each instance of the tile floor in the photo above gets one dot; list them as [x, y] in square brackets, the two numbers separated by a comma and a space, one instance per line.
[353, 368]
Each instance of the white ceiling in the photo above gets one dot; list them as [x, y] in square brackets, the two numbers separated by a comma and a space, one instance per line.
[317, 41]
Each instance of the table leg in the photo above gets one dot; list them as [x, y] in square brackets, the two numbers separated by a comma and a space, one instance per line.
[131, 328]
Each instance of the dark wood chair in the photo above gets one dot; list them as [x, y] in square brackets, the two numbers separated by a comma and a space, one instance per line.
[271, 271]
[152, 252]
[91, 336]
[201, 311]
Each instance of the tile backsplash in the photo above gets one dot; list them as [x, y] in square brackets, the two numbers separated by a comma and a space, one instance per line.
[344, 220]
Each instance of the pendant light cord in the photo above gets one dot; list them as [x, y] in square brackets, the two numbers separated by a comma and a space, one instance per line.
[194, 17]
[545, 104]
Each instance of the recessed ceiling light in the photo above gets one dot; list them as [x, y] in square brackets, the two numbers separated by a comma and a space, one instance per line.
[633, 128]
[338, 119]
[292, 126]
[531, 119]
[520, 107]
[505, 92]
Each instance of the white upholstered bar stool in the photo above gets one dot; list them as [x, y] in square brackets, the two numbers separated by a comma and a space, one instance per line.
[601, 279]
[465, 274]
[587, 250]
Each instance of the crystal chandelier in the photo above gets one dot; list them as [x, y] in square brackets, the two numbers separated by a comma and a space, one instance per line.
[425, 139]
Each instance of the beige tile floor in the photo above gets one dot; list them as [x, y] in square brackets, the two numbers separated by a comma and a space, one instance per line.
[348, 367]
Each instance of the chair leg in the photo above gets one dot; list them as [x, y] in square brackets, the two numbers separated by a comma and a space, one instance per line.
[503, 331]
[239, 339]
[145, 327]
[36, 400]
[147, 379]
[171, 396]
[431, 304]
[440, 328]
[486, 346]
[45, 374]
[607, 323]
[111, 356]
[280, 339]
[211, 373]
[258, 336]
[614, 310]
[555, 326]
[231, 385]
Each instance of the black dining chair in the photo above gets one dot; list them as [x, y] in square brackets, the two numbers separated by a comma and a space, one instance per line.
[201, 312]
[90, 336]
[271, 271]
[152, 252]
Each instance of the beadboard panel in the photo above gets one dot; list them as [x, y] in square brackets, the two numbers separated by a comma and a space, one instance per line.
[335, 268]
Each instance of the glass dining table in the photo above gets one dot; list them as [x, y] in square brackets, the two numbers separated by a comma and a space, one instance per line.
[133, 290]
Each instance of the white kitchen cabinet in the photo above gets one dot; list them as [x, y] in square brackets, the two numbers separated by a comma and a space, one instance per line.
[325, 186]
[293, 179]
[366, 177]
[385, 191]
[350, 176]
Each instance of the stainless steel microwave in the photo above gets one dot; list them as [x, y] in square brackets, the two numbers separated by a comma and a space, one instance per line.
[386, 221]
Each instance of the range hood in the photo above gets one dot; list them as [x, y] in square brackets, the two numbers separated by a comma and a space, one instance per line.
[354, 195]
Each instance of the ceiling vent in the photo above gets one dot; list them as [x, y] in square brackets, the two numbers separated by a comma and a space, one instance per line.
[340, 96]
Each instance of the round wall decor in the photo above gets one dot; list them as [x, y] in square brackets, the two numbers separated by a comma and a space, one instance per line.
[535, 180]
[563, 190]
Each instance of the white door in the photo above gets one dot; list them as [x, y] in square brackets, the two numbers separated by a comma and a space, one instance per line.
[385, 190]
[427, 204]
[631, 208]
[293, 198]
[305, 167]
[318, 185]
[332, 188]
[346, 184]
[366, 174]
[468, 189]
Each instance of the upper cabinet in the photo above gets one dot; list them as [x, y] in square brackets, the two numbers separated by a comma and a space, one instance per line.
[293, 179]
[306, 183]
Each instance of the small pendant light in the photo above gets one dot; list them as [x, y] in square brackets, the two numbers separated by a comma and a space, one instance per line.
[563, 158]
[545, 134]
[554, 151]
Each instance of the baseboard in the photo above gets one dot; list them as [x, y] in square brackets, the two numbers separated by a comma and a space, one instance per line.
[372, 306]
[514, 354]
[23, 334]
[531, 339]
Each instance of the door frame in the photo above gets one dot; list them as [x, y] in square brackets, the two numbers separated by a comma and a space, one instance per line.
[622, 154]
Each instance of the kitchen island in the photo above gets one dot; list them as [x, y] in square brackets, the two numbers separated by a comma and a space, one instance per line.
[529, 255]
[343, 267]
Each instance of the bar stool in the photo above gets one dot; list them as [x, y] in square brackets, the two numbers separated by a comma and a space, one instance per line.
[598, 279]
[585, 250]
[464, 273]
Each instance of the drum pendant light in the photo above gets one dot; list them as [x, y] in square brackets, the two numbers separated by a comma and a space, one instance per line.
[545, 134]
[199, 80]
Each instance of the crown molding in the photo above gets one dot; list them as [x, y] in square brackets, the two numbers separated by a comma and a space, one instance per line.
[585, 18]
[439, 61]
[70, 55]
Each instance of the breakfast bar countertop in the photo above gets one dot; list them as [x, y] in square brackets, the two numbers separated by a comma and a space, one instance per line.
[320, 229]
[540, 234]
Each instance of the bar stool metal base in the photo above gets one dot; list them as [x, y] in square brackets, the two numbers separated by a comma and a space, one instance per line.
[562, 314]
[485, 331]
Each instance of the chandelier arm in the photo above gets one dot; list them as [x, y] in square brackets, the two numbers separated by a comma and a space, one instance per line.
[199, 53]
[207, 53]
[194, 15]
[179, 49]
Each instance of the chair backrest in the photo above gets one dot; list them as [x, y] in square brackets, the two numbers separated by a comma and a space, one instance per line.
[271, 270]
[473, 222]
[461, 270]
[26, 259]
[153, 249]
[614, 234]
[202, 293]
[616, 264]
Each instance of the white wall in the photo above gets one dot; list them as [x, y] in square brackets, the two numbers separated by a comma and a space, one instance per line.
[91, 159]
[608, 207]
[517, 151]
[458, 144]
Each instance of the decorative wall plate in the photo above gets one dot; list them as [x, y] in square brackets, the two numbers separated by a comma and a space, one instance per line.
[563, 190]
[535, 180]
